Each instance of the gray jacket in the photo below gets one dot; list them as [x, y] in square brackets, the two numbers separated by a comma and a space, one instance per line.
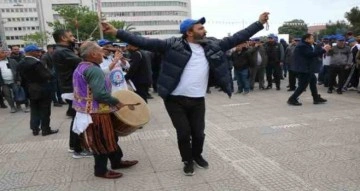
[254, 57]
[289, 56]
[340, 56]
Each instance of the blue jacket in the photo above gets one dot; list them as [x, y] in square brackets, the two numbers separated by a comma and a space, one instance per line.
[307, 59]
[176, 53]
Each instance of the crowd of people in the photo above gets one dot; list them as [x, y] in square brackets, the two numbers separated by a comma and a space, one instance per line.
[181, 70]
[336, 62]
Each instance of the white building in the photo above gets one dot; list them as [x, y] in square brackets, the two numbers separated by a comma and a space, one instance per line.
[18, 18]
[157, 19]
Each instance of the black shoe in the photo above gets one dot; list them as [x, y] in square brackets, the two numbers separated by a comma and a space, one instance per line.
[262, 88]
[277, 88]
[329, 91]
[291, 90]
[149, 97]
[318, 100]
[57, 105]
[3, 106]
[294, 102]
[201, 162]
[62, 102]
[188, 168]
[269, 87]
[45, 133]
[35, 132]
[339, 92]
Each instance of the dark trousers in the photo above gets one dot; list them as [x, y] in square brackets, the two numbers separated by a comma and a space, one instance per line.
[188, 117]
[337, 71]
[142, 90]
[40, 111]
[292, 80]
[273, 70]
[56, 93]
[101, 160]
[1, 99]
[354, 79]
[74, 139]
[324, 75]
[305, 79]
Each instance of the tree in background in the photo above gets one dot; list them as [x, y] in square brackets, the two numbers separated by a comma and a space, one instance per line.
[77, 18]
[340, 27]
[38, 38]
[81, 20]
[353, 16]
[119, 25]
[295, 28]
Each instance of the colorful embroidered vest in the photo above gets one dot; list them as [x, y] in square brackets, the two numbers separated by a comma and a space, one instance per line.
[83, 98]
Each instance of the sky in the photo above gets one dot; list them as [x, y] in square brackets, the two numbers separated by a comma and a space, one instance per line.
[229, 16]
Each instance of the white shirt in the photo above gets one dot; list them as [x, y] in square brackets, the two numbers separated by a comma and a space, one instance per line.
[194, 79]
[6, 73]
[116, 75]
[107, 61]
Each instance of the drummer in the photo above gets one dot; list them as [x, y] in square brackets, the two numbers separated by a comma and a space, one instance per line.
[94, 104]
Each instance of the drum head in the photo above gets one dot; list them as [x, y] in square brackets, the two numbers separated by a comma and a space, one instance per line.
[135, 116]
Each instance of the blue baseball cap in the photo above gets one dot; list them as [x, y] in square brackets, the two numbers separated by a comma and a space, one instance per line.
[271, 36]
[351, 40]
[340, 38]
[326, 37]
[256, 39]
[31, 48]
[188, 23]
[103, 42]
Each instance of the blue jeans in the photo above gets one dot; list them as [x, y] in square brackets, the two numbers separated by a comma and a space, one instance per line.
[242, 77]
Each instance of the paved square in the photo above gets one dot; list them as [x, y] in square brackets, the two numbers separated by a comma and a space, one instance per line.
[253, 142]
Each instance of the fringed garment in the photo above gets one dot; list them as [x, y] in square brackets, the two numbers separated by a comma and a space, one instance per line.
[99, 137]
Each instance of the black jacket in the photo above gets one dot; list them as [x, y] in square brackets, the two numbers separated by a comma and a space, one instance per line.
[307, 59]
[139, 71]
[65, 61]
[241, 59]
[177, 52]
[36, 77]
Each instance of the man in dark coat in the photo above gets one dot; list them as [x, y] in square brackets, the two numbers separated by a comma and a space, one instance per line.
[306, 64]
[188, 62]
[139, 72]
[37, 79]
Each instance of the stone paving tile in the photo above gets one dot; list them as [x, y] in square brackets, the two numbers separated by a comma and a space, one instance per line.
[176, 178]
[21, 166]
[165, 162]
[138, 182]
[15, 180]
[195, 187]
[51, 177]
[91, 185]
[52, 187]
[233, 185]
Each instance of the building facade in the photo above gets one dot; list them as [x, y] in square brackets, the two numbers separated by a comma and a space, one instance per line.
[151, 18]
[155, 19]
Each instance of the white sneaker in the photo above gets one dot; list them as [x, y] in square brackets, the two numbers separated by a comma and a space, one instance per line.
[70, 150]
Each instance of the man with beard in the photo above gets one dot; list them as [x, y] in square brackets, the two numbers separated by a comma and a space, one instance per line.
[66, 61]
[188, 63]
